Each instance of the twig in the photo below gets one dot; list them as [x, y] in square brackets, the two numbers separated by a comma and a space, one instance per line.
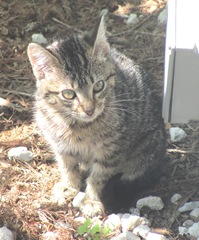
[132, 29]
[17, 93]
[181, 151]
[66, 25]
[176, 213]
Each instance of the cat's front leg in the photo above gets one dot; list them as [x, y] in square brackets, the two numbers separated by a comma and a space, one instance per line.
[70, 182]
[95, 183]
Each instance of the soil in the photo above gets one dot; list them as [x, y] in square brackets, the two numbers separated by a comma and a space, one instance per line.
[25, 188]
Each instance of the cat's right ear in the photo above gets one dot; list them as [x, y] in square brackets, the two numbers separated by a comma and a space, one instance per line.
[42, 60]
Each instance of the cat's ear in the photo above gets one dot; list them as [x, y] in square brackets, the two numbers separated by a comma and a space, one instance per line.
[42, 60]
[97, 39]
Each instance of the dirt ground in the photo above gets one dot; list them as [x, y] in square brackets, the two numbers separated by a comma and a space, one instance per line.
[25, 188]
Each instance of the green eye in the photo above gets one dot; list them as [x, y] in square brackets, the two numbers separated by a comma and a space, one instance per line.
[68, 94]
[98, 87]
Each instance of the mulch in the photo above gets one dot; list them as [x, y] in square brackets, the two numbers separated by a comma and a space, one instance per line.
[25, 189]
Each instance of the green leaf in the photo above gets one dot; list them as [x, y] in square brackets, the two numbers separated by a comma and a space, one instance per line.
[84, 228]
[95, 229]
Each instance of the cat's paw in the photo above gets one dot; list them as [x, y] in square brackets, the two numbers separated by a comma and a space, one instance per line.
[61, 193]
[92, 208]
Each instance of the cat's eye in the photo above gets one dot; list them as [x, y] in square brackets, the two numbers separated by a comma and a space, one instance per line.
[98, 87]
[68, 94]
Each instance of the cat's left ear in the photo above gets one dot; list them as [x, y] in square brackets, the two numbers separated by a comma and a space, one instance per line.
[98, 40]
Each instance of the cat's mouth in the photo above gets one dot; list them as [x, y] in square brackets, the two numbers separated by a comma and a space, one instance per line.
[88, 116]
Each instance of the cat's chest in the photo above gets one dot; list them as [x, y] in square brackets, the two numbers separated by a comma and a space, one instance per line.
[87, 145]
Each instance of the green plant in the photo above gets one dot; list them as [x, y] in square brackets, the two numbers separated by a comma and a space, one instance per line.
[94, 232]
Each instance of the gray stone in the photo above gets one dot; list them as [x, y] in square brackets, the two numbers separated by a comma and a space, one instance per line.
[182, 230]
[175, 198]
[126, 236]
[162, 17]
[20, 153]
[39, 38]
[155, 236]
[189, 206]
[154, 203]
[133, 19]
[194, 230]
[141, 230]
[195, 213]
[6, 234]
[177, 134]
[129, 222]
[134, 211]
[113, 221]
[188, 223]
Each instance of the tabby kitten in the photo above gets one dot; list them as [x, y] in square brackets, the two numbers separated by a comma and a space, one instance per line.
[98, 111]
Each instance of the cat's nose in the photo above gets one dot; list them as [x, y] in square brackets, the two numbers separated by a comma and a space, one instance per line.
[90, 112]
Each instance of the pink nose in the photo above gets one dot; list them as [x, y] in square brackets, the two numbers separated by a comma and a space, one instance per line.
[90, 112]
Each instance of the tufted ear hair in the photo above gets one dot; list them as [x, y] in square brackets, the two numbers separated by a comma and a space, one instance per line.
[41, 59]
[97, 39]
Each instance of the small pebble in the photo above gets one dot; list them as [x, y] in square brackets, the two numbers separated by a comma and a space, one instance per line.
[182, 230]
[175, 198]
[194, 230]
[133, 19]
[78, 199]
[155, 236]
[141, 230]
[126, 236]
[162, 17]
[189, 206]
[79, 220]
[39, 38]
[20, 153]
[195, 213]
[188, 223]
[113, 221]
[50, 236]
[134, 211]
[154, 203]
[177, 134]
[6, 234]
[129, 222]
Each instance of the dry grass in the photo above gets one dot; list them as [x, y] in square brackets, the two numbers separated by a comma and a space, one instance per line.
[26, 206]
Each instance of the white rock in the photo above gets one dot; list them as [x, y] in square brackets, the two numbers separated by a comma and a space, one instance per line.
[155, 236]
[132, 19]
[126, 236]
[195, 213]
[20, 153]
[177, 134]
[113, 221]
[188, 223]
[134, 211]
[154, 203]
[141, 230]
[194, 230]
[79, 220]
[175, 198]
[129, 222]
[6, 234]
[188, 206]
[50, 236]
[78, 199]
[182, 230]
[162, 17]
[39, 38]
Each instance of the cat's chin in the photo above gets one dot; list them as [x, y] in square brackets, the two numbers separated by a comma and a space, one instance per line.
[86, 119]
